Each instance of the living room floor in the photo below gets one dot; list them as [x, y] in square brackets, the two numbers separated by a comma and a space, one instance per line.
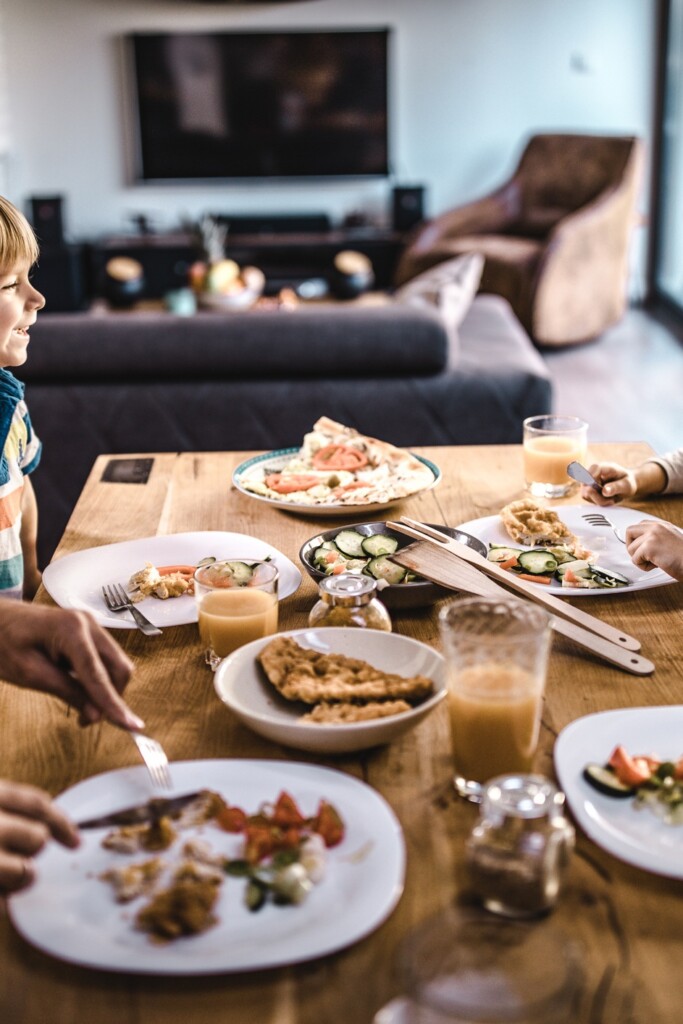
[628, 384]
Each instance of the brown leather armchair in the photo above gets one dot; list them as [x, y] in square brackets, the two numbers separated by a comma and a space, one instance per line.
[555, 236]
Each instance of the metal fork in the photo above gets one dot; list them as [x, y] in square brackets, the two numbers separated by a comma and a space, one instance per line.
[154, 756]
[117, 600]
[599, 519]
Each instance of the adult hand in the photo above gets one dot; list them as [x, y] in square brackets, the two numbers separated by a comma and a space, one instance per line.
[655, 544]
[28, 818]
[67, 654]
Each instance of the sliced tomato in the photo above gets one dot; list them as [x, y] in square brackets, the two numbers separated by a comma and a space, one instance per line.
[232, 819]
[184, 570]
[678, 771]
[328, 823]
[339, 456]
[571, 577]
[288, 483]
[286, 811]
[508, 563]
[632, 771]
[259, 841]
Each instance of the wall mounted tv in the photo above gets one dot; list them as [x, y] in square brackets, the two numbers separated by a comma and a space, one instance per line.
[261, 104]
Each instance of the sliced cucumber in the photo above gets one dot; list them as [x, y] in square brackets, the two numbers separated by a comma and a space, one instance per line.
[379, 544]
[240, 572]
[608, 577]
[603, 778]
[562, 554]
[502, 553]
[209, 560]
[382, 568]
[350, 542]
[538, 563]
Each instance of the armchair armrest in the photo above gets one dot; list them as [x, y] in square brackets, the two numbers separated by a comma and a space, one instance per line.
[584, 272]
[492, 214]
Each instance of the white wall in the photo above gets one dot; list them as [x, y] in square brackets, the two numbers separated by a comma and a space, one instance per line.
[470, 79]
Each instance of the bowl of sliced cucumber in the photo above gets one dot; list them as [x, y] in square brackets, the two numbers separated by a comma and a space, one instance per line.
[366, 548]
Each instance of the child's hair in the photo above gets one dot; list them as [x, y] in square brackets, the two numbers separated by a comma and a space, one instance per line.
[18, 243]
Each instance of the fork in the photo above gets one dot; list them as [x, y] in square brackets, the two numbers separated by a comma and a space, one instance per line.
[599, 519]
[154, 756]
[117, 600]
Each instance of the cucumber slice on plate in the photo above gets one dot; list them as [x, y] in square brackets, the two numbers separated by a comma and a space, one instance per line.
[538, 562]
[604, 779]
[503, 553]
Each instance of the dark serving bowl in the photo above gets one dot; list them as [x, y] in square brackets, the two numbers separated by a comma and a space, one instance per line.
[399, 595]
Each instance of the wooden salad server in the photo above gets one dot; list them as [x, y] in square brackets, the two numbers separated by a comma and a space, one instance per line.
[441, 567]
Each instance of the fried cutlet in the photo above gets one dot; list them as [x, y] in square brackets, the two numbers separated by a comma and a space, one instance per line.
[302, 674]
[531, 524]
[340, 714]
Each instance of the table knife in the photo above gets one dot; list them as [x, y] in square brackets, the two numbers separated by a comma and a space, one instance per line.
[150, 811]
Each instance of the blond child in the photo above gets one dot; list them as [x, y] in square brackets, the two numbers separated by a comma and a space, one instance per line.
[20, 448]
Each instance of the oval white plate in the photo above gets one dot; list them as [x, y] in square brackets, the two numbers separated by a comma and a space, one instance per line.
[277, 459]
[69, 913]
[611, 553]
[76, 581]
[636, 836]
[241, 684]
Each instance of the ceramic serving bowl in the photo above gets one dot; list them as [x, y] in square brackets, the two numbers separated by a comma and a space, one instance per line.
[241, 684]
[397, 596]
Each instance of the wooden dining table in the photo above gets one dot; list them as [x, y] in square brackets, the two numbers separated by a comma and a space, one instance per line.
[628, 921]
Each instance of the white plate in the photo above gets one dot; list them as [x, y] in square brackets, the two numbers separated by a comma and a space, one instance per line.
[610, 553]
[278, 459]
[241, 684]
[71, 914]
[636, 836]
[76, 580]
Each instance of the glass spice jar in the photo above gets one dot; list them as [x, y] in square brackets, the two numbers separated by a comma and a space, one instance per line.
[349, 600]
[518, 852]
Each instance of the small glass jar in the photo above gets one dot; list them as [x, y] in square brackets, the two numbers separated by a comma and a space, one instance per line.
[518, 852]
[349, 600]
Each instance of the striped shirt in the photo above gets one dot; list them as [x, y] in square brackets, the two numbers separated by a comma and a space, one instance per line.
[21, 451]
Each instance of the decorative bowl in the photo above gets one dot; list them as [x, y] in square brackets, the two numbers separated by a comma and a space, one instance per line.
[242, 685]
[400, 595]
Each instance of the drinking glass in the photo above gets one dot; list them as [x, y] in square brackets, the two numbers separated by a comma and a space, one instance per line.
[465, 966]
[234, 608]
[550, 443]
[496, 652]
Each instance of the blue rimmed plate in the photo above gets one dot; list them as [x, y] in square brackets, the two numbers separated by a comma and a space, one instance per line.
[275, 461]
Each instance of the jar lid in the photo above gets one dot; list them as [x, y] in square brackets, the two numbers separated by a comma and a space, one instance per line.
[522, 796]
[347, 589]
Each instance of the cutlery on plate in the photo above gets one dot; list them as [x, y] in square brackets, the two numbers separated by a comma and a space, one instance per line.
[150, 811]
[600, 519]
[117, 600]
[419, 531]
[446, 569]
[579, 473]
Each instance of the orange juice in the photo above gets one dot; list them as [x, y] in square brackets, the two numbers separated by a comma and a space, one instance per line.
[495, 716]
[546, 458]
[231, 617]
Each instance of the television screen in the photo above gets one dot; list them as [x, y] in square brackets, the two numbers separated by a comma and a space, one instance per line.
[261, 104]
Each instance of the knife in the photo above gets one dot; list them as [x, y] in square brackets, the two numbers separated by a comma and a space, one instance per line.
[150, 811]
[581, 474]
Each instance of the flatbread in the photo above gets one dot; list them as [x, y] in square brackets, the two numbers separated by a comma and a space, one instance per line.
[391, 472]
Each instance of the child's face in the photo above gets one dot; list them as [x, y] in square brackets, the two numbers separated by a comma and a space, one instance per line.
[19, 304]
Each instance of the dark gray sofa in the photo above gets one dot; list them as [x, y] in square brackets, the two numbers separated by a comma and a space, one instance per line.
[122, 382]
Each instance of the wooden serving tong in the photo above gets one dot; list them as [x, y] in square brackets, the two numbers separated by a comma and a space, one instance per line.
[480, 577]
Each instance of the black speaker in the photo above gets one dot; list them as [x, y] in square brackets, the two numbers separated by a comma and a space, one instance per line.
[407, 206]
[59, 276]
[46, 218]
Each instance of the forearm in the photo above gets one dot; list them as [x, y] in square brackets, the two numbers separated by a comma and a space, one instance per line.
[671, 465]
[29, 536]
[650, 478]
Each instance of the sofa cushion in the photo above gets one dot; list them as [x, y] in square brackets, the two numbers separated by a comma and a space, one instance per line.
[325, 340]
[448, 287]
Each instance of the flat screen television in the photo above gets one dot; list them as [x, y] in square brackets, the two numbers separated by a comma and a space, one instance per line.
[261, 104]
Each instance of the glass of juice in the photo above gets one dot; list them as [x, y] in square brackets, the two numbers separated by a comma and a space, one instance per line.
[496, 652]
[550, 443]
[236, 603]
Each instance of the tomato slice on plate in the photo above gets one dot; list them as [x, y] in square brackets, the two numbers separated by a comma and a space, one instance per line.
[339, 456]
[288, 483]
